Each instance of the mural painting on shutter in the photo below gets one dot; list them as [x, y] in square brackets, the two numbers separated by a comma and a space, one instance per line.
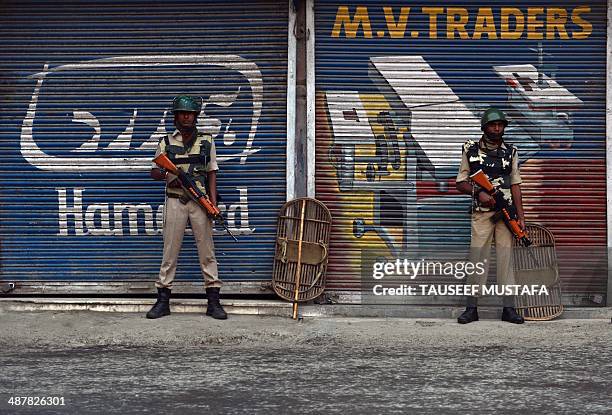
[401, 87]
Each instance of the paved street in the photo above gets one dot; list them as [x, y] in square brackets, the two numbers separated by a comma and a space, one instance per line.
[107, 363]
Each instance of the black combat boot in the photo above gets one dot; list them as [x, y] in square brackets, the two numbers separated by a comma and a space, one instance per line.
[470, 314]
[510, 315]
[214, 309]
[162, 305]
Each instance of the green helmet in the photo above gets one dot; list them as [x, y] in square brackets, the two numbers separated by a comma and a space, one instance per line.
[186, 103]
[492, 114]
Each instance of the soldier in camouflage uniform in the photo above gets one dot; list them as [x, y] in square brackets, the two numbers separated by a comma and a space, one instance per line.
[499, 161]
[194, 152]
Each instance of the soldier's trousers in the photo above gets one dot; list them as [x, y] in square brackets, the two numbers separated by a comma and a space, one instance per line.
[176, 215]
[484, 231]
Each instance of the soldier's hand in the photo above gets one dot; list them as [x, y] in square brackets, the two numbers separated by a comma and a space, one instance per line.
[157, 174]
[175, 183]
[486, 200]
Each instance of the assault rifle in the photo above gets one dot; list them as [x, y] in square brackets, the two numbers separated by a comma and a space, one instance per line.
[505, 209]
[194, 192]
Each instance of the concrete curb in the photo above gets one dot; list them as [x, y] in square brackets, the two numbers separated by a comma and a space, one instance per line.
[271, 308]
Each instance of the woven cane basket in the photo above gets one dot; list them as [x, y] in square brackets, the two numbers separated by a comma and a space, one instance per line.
[537, 265]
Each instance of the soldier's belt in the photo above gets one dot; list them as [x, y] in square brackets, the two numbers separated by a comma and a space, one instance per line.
[183, 199]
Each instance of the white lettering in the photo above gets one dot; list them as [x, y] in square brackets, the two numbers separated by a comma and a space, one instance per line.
[403, 289]
[449, 290]
[104, 215]
[488, 290]
[241, 211]
[76, 211]
[377, 271]
[108, 219]
[159, 220]
[376, 289]
[86, 157]
[132, 211]
[416, 266]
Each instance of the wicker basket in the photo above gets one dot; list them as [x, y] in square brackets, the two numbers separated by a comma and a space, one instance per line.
[537, 265]
[302, 244]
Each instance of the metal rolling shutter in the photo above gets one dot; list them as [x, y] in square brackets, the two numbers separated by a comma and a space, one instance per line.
[86, 94]
[397, 97]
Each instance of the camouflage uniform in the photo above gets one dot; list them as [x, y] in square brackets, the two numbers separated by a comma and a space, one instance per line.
[500, 164]
[197, 160]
